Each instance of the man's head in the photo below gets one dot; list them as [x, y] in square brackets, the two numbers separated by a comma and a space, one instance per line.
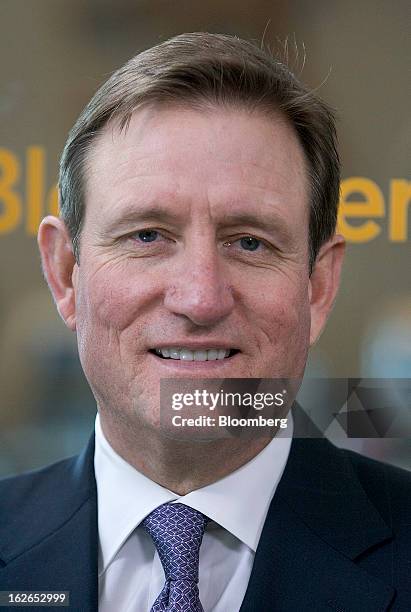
[200, 70]
[199, 188]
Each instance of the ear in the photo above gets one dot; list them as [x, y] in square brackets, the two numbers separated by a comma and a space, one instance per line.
[324, 283]
[59, 266]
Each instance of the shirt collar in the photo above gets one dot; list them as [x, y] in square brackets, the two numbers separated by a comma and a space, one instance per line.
[125, 496]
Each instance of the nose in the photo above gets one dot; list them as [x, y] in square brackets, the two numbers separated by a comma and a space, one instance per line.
[199, 291]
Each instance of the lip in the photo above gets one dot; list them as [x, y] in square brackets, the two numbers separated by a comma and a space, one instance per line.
[195, 346]
[193, 367]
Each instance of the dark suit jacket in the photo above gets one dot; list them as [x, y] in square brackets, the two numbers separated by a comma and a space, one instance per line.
[337, 535]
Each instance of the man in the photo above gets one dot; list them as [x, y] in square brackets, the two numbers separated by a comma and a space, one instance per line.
[198, 194]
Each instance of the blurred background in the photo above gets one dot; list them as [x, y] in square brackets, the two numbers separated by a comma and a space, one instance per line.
[53, 56]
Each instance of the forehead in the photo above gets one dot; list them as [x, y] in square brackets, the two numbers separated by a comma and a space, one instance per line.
[194, 161]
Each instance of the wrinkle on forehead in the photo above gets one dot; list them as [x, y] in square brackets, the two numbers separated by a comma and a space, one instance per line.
[180, 158]
[149, 121]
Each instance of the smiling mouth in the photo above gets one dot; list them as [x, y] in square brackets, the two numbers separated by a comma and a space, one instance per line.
[185, 354]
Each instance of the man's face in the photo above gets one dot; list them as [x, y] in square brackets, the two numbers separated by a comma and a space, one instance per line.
[195, 237]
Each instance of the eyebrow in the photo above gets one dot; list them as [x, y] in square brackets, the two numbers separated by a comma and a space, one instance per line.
[136, 215]
[271, 223]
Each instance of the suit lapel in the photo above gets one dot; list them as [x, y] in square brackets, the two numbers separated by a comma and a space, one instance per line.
[52, 544]
[319, 522]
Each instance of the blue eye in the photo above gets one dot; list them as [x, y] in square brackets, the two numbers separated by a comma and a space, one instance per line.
[148, 235]
[249, 243]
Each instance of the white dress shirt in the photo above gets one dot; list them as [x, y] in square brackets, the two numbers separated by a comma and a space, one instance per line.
[130, 572]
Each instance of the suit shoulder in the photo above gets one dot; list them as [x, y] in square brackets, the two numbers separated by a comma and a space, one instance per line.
[36, 504]
[388, 486]
[17, 491]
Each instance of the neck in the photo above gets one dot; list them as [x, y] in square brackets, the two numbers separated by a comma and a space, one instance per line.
[179, 465]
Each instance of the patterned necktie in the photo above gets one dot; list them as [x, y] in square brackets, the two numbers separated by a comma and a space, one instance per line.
[177, 531]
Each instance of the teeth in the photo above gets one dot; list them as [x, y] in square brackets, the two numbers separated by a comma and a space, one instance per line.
[185, 354]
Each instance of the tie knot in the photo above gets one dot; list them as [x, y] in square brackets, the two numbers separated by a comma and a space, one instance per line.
[177, 531]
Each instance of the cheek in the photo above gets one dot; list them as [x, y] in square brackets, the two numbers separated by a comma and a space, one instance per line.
[284, 301]
[288, 319]
[113, 301]
[111, 312]
[282, 317]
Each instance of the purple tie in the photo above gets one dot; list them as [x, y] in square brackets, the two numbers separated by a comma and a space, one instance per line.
[177, 531]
